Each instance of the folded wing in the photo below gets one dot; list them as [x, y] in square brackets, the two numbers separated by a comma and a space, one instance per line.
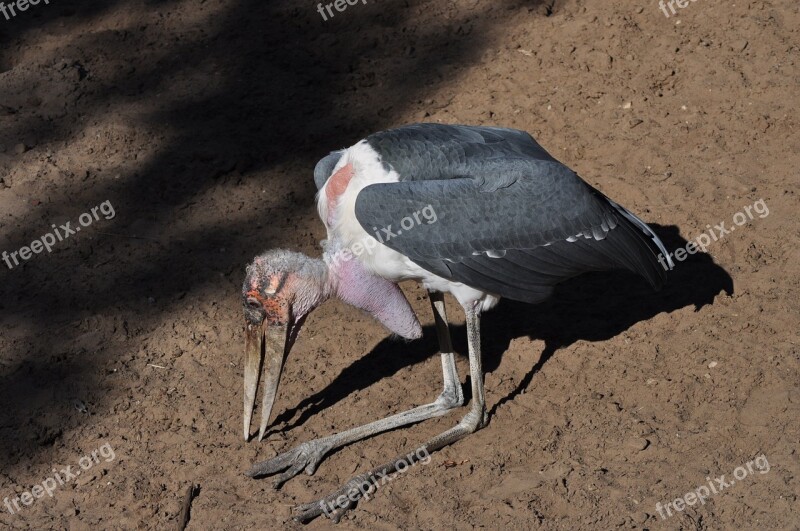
[512, 225]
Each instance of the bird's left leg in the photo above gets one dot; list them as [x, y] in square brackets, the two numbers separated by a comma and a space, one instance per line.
[336, 504]
[308, 455]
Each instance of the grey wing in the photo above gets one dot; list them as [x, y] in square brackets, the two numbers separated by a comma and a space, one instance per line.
[441, 151]
[542, 226]
[324, 168]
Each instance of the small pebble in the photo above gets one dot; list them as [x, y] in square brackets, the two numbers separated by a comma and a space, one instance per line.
[20, 148]
[639, 443]
[712, 364]
[80, 405]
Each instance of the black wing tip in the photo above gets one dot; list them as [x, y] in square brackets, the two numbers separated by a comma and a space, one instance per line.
[644, 254]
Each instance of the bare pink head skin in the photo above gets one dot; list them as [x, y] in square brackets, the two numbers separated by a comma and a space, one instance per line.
[281, 288]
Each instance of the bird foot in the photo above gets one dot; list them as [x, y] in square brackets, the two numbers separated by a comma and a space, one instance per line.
[305, 456]
[335, 505]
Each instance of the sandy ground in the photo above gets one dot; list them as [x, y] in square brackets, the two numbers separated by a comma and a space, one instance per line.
[198, 123]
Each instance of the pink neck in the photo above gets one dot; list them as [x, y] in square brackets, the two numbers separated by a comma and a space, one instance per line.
[351, 282]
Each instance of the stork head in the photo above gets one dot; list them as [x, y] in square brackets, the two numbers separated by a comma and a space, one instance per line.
[280, 290]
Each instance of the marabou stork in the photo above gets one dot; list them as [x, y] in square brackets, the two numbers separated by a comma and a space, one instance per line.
[492, 215]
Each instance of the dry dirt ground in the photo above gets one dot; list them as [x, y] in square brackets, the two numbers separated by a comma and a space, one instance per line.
[200, 121]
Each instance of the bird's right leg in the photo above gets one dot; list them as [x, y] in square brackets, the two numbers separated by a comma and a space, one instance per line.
[308, 455]
[337, 504]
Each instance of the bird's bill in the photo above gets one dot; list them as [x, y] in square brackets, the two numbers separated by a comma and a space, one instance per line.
[264, 346]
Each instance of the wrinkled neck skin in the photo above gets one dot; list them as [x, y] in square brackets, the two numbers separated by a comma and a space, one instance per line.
[310, 287]
[347, 279]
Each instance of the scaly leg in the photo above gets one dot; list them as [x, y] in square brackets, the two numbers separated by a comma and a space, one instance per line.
[336, 504]
[308, 455]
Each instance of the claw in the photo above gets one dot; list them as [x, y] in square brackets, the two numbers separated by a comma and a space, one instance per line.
[274, 465]
[303, 457]
[289, 474]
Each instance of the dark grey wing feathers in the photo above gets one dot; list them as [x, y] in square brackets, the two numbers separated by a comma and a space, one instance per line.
[509, 219]
[439, 151]
[548, 204]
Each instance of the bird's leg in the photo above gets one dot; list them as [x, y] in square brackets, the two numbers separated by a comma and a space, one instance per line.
[336, 504]
[452, 393]
[308, 455]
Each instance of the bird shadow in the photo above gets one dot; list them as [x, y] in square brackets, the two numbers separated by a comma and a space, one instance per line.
[591, 307]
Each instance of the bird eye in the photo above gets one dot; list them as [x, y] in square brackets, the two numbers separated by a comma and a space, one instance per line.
[253, 303]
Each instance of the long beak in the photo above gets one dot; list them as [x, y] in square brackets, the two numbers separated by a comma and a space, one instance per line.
[257, 350]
